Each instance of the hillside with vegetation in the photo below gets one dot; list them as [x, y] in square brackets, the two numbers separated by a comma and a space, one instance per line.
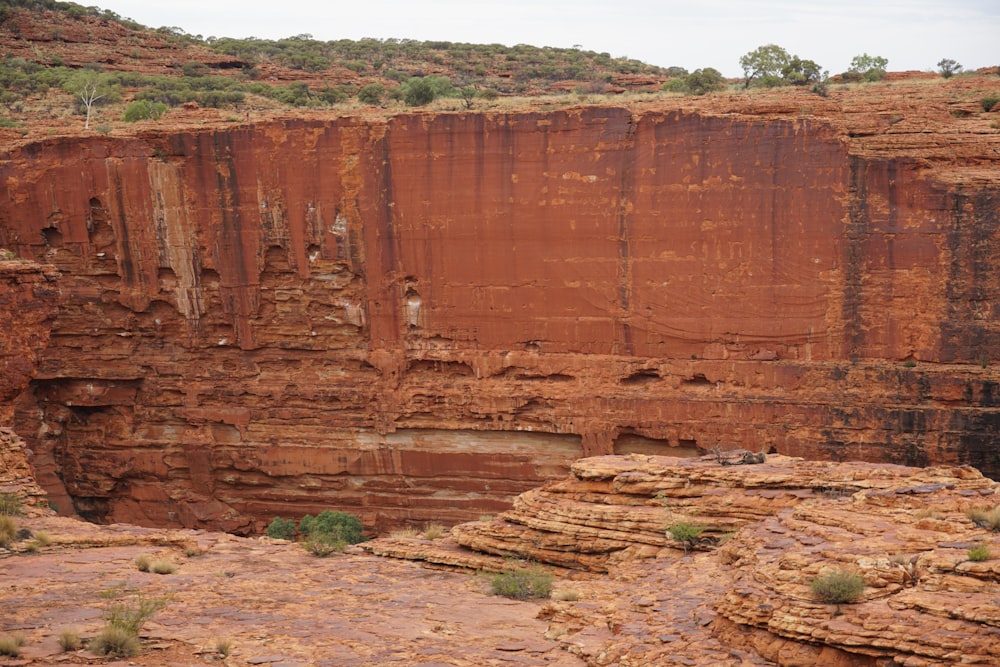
[62, 63]
[86, 51]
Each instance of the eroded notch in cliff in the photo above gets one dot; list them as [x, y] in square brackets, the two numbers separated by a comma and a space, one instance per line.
[641, 377]
[631, 442]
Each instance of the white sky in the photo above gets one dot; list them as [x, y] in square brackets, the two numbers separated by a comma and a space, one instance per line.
[912, 34]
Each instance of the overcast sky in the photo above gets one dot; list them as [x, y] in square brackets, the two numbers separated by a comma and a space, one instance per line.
[912, 34]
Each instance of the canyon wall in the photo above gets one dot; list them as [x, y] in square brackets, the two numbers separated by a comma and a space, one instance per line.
[418, 317]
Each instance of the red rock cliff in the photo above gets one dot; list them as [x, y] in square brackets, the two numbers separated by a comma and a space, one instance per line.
[418, 317]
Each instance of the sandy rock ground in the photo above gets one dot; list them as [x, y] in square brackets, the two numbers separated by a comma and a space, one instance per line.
[740, 598]
[277, 604]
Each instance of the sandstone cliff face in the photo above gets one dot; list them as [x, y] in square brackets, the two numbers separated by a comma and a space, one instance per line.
[28, 302]
[419, 317]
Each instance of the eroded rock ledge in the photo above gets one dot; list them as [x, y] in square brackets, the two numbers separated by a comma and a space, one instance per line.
[904, 529]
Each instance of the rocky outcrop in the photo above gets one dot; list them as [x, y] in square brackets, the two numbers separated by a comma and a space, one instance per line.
[743, 594]
[418, 317]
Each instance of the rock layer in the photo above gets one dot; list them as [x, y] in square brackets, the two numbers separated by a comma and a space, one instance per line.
[418, 317]
[783, 523]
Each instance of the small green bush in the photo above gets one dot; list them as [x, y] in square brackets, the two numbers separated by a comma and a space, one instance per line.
[989, 102]
[980, 553]
[142, 562]
[685, 533]
[346, 527]
[143, 110]
[281, 529]
[838, 587]
[522, 583]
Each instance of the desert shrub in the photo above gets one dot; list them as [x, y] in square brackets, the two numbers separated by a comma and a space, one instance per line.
[115, 641]
[163, 567]
[131, 615]
[434, 531]
[10, 645]
[124, 619]
[985, 518]
[281, 529]
[839, 586]
[323, 544]
[342, 525]
[948, 67]
[566, 595]
[418, 92]
[405, 533]
[980, 553]
[522, 583]
[371, 94]
[143, 562]
[675, 86]
[685, 533]
[488, 94]
[223, 646]
[10, 504]
[193, 69]
[8, 530]
[143, 110]
[69, 641]
[989, 102]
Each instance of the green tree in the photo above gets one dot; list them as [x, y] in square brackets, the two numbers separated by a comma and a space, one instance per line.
[703, 81]
[764, 61]
[867, 68]
[799, 72]
[418, 92]
[91, 88]
[948, 67]
[467, 93]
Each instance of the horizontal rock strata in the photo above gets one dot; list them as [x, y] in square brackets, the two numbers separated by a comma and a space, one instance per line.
[784, 523]
[418, 317]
